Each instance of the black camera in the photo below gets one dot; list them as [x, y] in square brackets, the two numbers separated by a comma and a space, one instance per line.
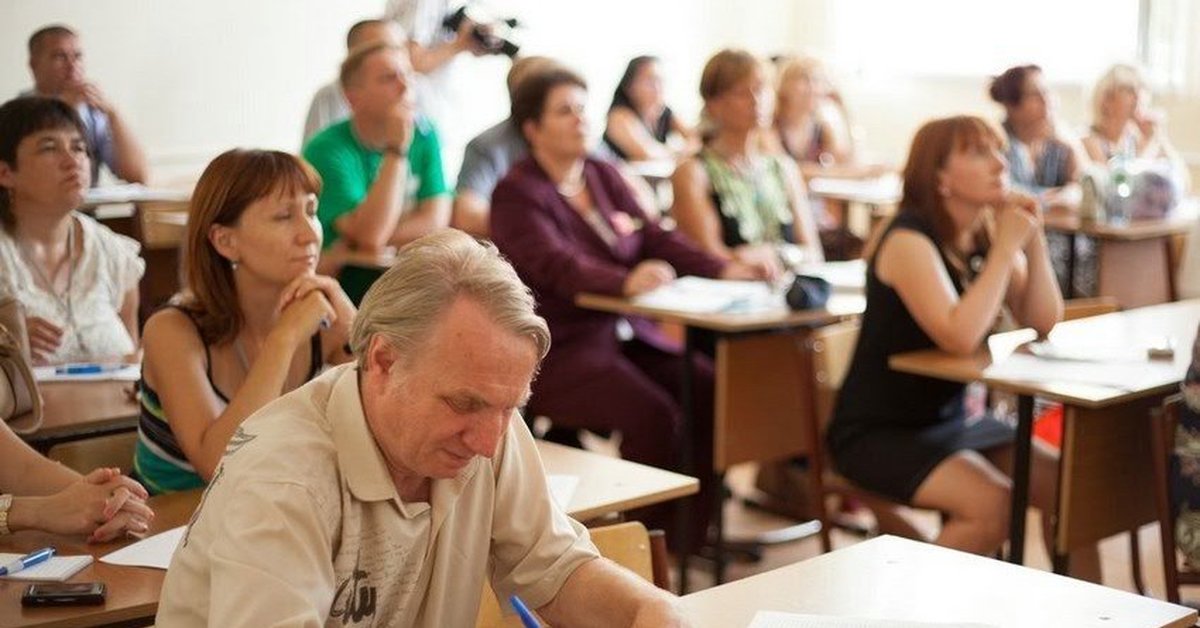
[485, 33]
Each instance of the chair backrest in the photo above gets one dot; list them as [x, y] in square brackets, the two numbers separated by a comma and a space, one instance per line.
[627, 544]
[1095, 306]
[832, 349]
[85, 455]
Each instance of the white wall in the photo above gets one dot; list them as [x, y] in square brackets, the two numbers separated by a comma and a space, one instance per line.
[196, 78]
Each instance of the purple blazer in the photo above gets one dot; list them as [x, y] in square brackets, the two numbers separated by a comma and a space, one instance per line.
[558, 255]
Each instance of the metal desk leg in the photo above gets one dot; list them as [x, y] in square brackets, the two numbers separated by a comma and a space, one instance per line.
[1022, 451]
[683, 521]
[1069, 289]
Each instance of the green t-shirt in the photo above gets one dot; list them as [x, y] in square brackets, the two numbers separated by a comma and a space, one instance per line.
[348, 169]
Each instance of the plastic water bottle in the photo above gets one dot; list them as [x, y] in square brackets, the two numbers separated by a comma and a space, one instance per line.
[1120, 190]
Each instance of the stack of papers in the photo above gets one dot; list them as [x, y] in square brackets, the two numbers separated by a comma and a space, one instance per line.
[696, 295]
[773, 619]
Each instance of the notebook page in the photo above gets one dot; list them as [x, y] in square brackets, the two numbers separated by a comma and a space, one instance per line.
[155, 551]
[57, 569]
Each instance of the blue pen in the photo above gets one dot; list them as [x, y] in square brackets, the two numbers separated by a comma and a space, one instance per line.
[523, 612]
[27, 561]
[87, 369]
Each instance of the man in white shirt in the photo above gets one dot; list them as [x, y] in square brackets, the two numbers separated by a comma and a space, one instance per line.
[329, 104]
[383, 492]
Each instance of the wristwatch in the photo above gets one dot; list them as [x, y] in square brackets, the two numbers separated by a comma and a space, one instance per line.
[5, 504]
[398, 151]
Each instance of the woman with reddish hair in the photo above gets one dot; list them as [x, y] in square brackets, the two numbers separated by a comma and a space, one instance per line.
[962, 252]
[254, 322]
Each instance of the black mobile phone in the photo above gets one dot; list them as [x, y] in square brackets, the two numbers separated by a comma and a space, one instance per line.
[63, 594]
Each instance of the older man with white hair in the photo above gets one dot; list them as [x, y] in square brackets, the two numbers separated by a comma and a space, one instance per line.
[383, 492]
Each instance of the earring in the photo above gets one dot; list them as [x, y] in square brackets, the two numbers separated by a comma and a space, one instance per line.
[233, 265]
[944, 191]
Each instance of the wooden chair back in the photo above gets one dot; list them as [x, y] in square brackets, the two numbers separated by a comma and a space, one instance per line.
[115, 450]
[1166, 421]
[1093, 306]
[628, 544]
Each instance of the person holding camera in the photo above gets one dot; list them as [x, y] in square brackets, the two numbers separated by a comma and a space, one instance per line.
[381, 170]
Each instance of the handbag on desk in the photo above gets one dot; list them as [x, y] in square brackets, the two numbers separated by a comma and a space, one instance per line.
[20, 401]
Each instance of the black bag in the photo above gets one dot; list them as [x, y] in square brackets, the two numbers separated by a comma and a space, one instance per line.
[808, 293]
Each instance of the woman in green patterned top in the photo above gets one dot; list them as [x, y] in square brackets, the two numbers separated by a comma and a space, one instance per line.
[735, 201]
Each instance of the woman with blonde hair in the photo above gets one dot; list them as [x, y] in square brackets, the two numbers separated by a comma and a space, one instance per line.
[1122, 122]
[961, 249]
[810, 119]
[255, 322]
[733, 199]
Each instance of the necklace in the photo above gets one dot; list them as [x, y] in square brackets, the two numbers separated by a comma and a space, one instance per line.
[572, 184]
[63, 300]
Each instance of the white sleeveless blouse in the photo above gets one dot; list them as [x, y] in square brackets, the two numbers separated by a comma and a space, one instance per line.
[108, 267]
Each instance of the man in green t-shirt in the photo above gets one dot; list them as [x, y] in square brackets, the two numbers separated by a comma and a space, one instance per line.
[381, 169]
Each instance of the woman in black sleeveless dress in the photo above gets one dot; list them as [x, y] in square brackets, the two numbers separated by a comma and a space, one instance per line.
[940, 277]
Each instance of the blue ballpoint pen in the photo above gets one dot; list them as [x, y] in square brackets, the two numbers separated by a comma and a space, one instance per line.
[523, 612]
[87, 369]
[27, 561]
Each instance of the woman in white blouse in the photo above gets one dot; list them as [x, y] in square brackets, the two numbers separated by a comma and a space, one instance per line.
[75, 278]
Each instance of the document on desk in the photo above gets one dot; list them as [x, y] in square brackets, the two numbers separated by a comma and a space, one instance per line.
[132, 193]
[697, 295]
[88, 373]
[1118, 374]
[774, 619]
[153, 551]
[56, 569]
[849, 277]
[562, 488]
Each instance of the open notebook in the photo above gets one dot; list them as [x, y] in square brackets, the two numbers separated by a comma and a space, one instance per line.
[57, 569]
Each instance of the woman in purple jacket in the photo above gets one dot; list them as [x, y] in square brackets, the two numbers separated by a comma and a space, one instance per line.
[569, 224]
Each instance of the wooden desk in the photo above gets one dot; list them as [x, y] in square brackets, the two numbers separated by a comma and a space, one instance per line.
[606, 485]
[756, 418]
[75, 410]
[1105, 467]
[132, 591]
[1134, 262]
[611, 485]
[894, 578]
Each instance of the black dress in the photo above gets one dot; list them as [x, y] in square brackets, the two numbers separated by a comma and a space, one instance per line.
[890, 429]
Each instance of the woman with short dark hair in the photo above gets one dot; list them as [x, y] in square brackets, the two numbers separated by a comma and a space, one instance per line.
[75, 278]
[569, 225]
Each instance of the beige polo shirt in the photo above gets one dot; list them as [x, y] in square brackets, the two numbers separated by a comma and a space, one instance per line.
[302, 526]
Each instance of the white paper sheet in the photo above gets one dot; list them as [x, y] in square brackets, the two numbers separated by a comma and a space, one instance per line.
[697, 295]
[132, 193]
[775, 619]
[56, 569]
[155, 551]
[849, 277]
[562, 488]
[1121, 375]
[126, 373]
